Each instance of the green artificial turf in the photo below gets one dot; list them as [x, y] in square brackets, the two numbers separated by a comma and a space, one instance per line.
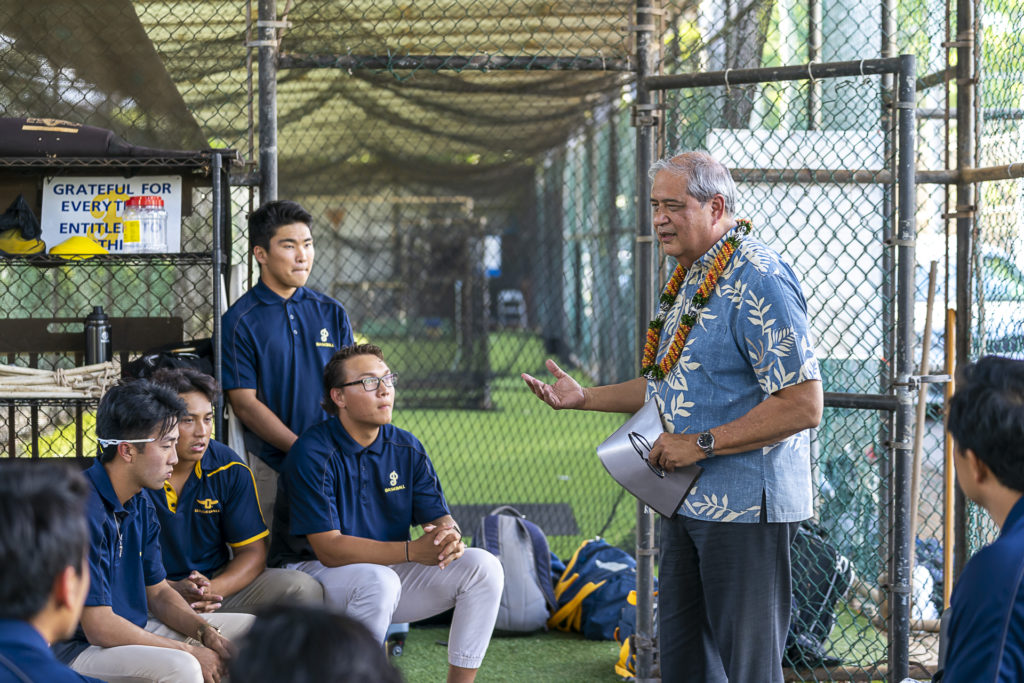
[552, 656]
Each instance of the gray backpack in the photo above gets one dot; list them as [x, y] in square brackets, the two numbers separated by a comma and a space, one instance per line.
[528, 598]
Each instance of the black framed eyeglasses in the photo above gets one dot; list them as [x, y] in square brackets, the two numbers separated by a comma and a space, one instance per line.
[372, 383]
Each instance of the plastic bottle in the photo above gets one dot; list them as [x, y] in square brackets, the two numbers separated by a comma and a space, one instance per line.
[131, 226]
[154, 224]
[97, 337]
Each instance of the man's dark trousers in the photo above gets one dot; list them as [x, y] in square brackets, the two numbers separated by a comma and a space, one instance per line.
[725, 600]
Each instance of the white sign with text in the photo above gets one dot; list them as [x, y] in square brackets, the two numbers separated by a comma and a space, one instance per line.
[92, 206]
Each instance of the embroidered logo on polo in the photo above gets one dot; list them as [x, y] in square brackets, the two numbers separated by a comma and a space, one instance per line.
[207, 506]
[393, 484]
[324, 339]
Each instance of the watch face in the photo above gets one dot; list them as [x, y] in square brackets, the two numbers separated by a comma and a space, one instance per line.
[706, 440]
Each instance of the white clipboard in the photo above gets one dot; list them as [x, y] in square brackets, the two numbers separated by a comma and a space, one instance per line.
[624, 455]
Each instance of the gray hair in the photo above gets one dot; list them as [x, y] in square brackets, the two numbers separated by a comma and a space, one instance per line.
[705, 176]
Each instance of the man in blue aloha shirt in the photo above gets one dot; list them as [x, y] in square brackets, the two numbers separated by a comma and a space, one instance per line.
[732, 368]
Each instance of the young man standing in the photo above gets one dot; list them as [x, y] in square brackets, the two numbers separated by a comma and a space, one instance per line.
[277, 338]
[986, 622]
[351, 488]
[134, 625]
[44, 574]
[208, 506]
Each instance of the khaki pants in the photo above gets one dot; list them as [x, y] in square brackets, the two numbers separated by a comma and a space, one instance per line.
[266, 487]
[148, 664]
[275, 586]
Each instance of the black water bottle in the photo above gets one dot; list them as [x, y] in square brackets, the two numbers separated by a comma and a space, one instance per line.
[97, 337]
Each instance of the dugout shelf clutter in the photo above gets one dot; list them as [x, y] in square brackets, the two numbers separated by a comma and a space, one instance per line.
[152, 298]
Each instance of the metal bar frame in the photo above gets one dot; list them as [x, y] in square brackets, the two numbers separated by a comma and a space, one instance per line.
[965, 213]
[645, 278]
[267, 46]
[900, 398]
[455, 62]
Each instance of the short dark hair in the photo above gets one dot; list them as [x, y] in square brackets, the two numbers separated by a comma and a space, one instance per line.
[133, 409]
[187, 380]
[264, 221]
[322, 646]
[42, 531]
[334, 373]
[986, 415]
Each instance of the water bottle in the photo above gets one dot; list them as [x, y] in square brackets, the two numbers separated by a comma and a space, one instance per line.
[97, 337]
[131, 226]
[154, 224]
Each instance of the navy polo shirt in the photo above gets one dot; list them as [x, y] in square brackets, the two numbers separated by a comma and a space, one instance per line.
[986, 623]
[124, 556]
[331, 482]
[217, 508]
[23, 650]
[280, 347]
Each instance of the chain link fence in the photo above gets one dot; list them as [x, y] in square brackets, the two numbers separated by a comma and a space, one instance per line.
[471, 171]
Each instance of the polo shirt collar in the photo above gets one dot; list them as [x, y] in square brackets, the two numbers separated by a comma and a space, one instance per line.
[101, 480]
[18, 632]
[350, 445]
[268, 296]
[1015, 516]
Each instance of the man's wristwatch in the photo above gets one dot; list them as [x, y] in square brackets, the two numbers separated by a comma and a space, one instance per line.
[706, 442]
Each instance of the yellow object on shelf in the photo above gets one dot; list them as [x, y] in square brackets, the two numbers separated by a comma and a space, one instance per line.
[11, 242]
[78, 247]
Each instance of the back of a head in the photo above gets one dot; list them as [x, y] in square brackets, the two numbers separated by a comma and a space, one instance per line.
[986, 415]
[42, 532]
[133, 409]
[264, 221]
[321, 647]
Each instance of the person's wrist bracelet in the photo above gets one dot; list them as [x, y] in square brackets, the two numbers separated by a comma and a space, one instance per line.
[203, 629]
[407, 551]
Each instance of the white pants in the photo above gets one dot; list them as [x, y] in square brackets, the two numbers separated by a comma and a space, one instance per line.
[148, 664]
[378, 595]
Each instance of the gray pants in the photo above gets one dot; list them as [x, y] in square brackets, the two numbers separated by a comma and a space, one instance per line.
[274, 586]
[724, 600]
[377, 595]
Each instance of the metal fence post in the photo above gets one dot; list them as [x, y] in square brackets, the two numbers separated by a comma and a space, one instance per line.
[902, 545]
[644, 274]
[267, 44]
[965, 217]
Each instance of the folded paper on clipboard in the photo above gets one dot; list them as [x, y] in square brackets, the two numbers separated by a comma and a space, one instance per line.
[624, 455]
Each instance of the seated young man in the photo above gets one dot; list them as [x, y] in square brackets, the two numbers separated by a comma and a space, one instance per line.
[985, 637]
[208, 505]
[351, 488]
[134, 626]
[44, 574]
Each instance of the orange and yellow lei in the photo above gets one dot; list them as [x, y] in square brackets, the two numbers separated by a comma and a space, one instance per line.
[658, 370]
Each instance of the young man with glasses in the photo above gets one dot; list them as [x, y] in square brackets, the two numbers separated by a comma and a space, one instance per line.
[278, 337]
[351, 489]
